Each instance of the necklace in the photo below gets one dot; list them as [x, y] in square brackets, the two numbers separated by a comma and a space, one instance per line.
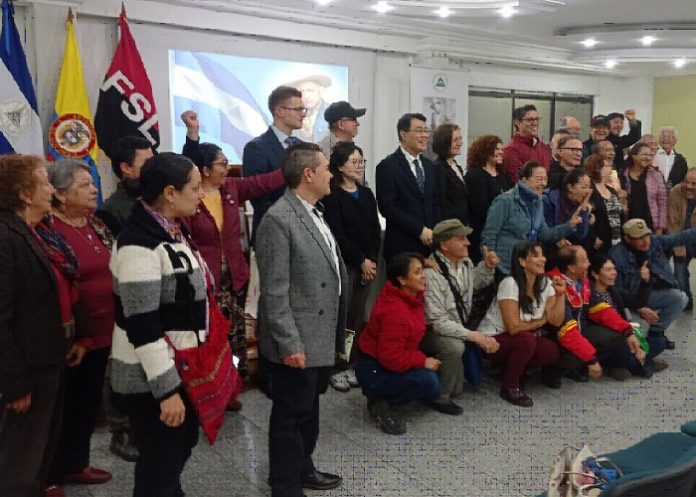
[77, 227]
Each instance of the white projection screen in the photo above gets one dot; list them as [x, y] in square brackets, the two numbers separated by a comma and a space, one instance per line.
[230, 96]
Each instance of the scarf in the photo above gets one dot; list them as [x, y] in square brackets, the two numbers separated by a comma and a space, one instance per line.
[57, 249]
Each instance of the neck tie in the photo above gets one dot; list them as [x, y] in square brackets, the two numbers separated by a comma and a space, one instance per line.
[292, 140]
[420, 176]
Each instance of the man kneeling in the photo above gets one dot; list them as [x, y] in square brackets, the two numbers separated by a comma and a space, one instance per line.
[448, 300]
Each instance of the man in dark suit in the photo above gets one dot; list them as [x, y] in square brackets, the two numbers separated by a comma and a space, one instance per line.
[671, 164]
[302, 318]
[264, 153]
[407, 191]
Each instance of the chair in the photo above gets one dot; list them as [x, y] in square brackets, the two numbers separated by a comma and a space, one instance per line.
[662, 465]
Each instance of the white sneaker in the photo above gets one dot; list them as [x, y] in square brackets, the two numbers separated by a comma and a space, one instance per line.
[352, 380]
[339, 381]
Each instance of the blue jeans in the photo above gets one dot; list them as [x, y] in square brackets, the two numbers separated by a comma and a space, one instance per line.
[669, 304]
[621, 357]
[681, 271]
[396, 388]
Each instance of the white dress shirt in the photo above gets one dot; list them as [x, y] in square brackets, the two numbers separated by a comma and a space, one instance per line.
[665, 161]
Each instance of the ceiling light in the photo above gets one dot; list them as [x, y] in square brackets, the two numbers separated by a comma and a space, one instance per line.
[610, 64]
[507, 11]
[589, 43]
[679, 63]
[648, 40]
[323, 2]
[382, 7]
[443, 11]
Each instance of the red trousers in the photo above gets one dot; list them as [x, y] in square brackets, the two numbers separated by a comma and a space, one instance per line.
[522, 351]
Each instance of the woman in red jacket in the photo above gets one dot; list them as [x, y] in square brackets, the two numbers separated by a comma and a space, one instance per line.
[392, 371]
[215, 228]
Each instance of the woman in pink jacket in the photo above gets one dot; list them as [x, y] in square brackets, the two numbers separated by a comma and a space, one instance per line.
[647, 194]
[215, 228]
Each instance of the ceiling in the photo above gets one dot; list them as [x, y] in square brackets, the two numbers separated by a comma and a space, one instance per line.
[543, 33]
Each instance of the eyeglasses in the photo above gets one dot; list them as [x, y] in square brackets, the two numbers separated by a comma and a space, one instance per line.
[574, 150]
[349, 119]
[646, 155]
[223, 162]
[420, 131]
[357, 162]
[300, 110]
[532, 119]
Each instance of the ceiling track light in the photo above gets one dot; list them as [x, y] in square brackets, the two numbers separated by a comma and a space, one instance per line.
[589, 42]
[444, 11]
[679, 63]
[507, 12]
[648, 40]
[382, 7]
[610, 63]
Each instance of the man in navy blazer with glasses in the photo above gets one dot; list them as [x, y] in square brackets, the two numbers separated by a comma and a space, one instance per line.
[407, 190]
[264, 154]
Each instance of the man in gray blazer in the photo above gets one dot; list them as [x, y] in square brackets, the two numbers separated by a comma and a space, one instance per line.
[302, 318]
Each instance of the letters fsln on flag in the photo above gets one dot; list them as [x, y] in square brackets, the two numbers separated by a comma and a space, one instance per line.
[126, 106]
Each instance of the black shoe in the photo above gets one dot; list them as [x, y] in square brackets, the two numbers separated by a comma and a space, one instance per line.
[388, 418]
[449, 408]
[669, 344]
[551, 381]
[318, 480]
[578, 376]
[122, 447]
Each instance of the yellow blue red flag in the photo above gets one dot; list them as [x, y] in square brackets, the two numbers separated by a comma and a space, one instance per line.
[71, 134]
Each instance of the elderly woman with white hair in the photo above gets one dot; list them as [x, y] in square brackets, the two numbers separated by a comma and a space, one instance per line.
[74, 200]
[671, 164]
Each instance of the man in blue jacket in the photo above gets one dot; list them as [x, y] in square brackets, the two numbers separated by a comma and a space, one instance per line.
[642, 256]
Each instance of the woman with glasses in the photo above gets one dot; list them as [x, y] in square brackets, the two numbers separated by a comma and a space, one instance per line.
[351, 211]
[571, 198]
[447, 144]
[647, 194]
[486, 179]
[215, 229]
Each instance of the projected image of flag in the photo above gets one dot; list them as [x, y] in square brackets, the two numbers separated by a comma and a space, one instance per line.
[230, 94]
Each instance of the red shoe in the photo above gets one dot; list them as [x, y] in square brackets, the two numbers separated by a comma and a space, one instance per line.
[88, 476]
[54, 491]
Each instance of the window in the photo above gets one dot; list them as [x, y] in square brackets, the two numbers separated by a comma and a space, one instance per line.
[490, 111]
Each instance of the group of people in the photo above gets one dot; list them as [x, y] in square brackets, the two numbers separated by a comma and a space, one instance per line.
[483, 265]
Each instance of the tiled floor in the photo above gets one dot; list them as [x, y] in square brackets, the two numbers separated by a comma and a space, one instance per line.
[492, 450]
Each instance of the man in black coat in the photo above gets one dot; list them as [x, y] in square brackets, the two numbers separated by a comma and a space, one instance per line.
[264, 154]
[622, 142]
[671, 164]
[407, 191]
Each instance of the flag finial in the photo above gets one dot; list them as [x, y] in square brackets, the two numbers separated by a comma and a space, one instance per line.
[123, 9]
[71, 16]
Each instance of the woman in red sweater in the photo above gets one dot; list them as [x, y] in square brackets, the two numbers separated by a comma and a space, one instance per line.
[391, 369]
[74, 200]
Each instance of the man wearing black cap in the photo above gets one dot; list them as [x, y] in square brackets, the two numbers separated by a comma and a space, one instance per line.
[599, 130]
[622, 142]
[343, 125]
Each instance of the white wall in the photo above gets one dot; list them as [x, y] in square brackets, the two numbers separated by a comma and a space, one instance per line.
[378, 80]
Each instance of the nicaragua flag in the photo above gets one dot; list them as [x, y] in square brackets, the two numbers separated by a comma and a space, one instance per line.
[20, 127]
[226, 109]
[72, 134]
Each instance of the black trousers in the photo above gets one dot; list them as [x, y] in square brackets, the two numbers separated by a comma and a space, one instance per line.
[28, 441]
[604, 340]
[163, 451]
[294, 425]
[84, 387]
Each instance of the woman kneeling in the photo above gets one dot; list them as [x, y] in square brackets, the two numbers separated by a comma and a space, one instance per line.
[392, 371]
[526, 301]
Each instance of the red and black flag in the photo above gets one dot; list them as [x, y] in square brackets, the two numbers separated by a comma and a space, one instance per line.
[126, 106]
